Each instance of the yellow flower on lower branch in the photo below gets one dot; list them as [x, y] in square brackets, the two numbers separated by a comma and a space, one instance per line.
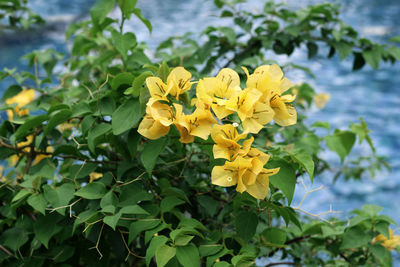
[390, 243]
[21, 99]
[245, 172]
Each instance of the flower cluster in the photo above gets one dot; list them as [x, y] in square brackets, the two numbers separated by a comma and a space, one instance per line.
[21, 99]
[216, 99]
[390, 243]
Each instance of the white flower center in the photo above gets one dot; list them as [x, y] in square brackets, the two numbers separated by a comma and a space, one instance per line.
[235, 124]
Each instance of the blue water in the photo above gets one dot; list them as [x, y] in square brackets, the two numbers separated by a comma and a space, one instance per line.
[373, 95]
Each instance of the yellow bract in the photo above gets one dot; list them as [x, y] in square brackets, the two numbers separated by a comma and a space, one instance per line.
[269, 80]
[94, 176]
[26, 148]
[21, 99]
[217, 98]
[321, 99]
[390, 243]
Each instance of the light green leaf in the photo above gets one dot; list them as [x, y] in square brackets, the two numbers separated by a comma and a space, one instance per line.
[341, 142]
[101, 9]
[93, 190]
[133, 209]
[60, 196]
[354, 238]
[285, 179]
[188, 255]
[164, 254]
[372, 57]
[38, 202]
[112, 220]
[126, 116]
[155, 243]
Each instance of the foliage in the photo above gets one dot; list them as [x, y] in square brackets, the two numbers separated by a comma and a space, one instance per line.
[15, 14]
[119, 157]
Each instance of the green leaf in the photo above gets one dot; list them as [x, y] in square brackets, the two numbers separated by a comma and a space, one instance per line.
[285, 179]
[38, 202]
[123, 43]
[372, 57]
[93, 190]
[126, 116]
[155, 243]
[164, 254]
[229, 33]
[96, 133]
[395, 52]
[168, 203]
[56, 119]
[275, 236]
[321, 124]
[354, 238]
[127, 7]
[60, 196]
[140, 226]
[344, 49]
[21, 194]
[101, 9]
[151, 151]
[112, 220]
[341, 142]
[306, 161]
[246, 223]
[11, 91]
[124, 78]
[371, 210]
[14, 238]
[209, 204]
[44, 229]
[146, 22]
[137, 84]
[312, 49]
[188, 255]
[133, 209]
[29, 124]
[183, 240]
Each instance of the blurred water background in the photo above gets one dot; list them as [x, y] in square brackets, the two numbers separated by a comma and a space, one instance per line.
[371, 94]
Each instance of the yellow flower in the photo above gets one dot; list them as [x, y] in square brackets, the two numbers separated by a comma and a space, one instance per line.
[198, 123]
[245, 172]
[261, 115]
[21, 99]
[179, 81]
[243, 102]
[25, 145]
[285, 114]
[157, 88]
[94, 176]
[160, 112]
[269, 80]
[151, 128]
[390, 243]
[215, 91]
[321, 99]
[226, 140]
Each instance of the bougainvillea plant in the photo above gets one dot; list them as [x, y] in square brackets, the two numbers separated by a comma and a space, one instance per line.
[190, 158]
